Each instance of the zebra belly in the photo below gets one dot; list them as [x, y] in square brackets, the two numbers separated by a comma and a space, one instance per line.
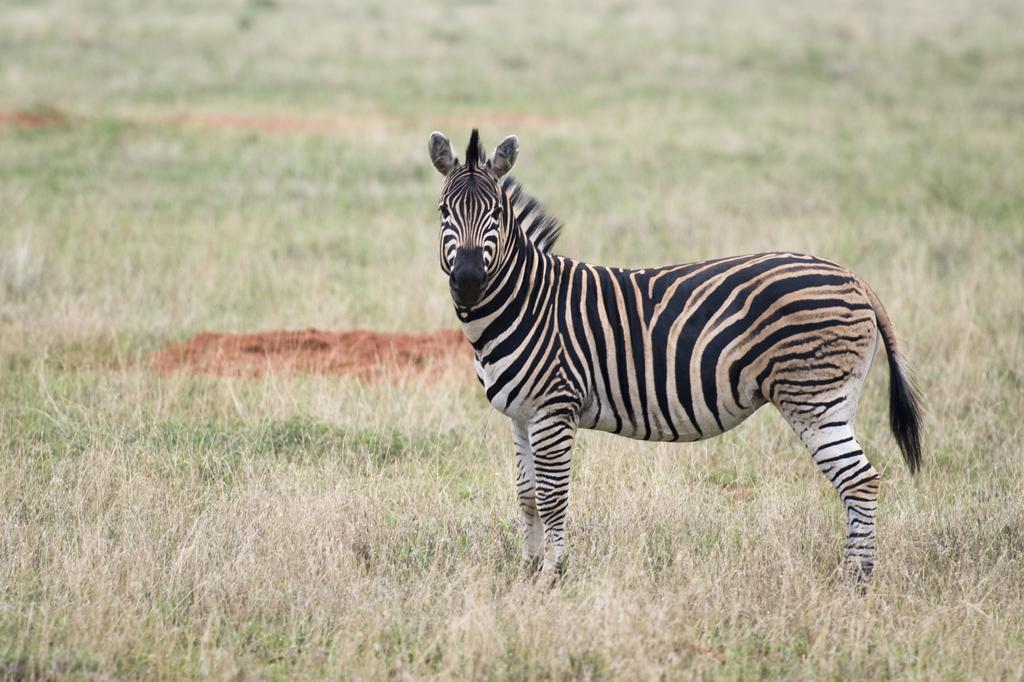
[601, 417]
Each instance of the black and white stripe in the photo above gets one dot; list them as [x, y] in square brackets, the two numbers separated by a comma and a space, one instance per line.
[674, 353]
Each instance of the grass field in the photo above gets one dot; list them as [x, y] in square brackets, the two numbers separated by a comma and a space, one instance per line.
[304, 526]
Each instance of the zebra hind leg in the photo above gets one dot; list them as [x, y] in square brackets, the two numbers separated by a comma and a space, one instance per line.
[839, 456]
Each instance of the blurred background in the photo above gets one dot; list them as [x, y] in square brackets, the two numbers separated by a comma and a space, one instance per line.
[174, 167]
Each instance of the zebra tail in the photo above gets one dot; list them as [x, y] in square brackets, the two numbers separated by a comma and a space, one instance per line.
[904, 396]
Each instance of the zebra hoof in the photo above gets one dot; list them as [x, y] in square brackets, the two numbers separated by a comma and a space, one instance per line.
[858, 573]
[551, 575]
[549, 579]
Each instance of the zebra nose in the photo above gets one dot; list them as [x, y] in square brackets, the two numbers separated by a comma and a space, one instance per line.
[468, 275]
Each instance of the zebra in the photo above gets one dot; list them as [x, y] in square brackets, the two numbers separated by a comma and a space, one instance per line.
[672, 353]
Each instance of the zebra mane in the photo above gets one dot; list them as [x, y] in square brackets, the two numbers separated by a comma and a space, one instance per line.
[540, 227]
[475, 154]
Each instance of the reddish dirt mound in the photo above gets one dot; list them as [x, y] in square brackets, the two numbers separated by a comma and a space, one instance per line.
[30, 119]
[322, 123]
[265, 123]
[337, 123]
[362, 354]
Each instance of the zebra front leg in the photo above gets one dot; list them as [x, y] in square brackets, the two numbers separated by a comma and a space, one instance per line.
[551, 441]
[526, 489]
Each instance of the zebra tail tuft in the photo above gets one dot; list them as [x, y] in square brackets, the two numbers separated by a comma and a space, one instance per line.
[904, 410]
[904, 397]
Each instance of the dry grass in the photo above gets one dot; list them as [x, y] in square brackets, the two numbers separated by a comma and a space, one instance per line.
[300, 527]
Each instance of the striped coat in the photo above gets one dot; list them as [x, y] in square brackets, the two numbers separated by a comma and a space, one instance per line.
[673, 353]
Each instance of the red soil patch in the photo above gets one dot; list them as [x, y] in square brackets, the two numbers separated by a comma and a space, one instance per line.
[362, 354]
[351, 124]
[264, 123]
[341, 123]
[29, 119]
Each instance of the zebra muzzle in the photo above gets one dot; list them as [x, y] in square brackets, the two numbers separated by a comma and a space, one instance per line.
[468, 276]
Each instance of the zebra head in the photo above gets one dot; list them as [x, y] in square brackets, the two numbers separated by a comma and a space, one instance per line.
[475, 222]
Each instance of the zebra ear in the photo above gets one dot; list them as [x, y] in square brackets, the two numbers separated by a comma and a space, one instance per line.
[505, 155]
[441, 153]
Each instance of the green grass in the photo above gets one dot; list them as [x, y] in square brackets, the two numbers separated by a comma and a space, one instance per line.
[296, 527]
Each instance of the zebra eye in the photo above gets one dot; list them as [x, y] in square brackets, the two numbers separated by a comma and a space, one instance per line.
[496, 213]
[445, 213]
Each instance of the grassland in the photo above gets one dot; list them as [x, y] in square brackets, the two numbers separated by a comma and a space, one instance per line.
[302, 526]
